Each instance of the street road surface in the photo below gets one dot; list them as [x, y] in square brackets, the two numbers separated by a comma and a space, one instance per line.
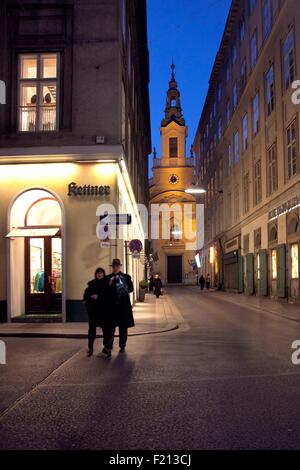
[223, 381]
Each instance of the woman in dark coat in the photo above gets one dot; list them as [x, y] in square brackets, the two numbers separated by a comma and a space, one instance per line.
[118, 286]
[94, 299]
[157, 286]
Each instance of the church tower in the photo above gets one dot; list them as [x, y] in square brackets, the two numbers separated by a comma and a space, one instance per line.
[173, 173]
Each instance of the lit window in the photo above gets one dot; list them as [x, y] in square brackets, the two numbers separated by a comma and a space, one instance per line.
[274, 264]
[258, 267]
[38, 91]
[295, 260]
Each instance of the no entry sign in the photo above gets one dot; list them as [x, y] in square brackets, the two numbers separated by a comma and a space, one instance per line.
[135, 246]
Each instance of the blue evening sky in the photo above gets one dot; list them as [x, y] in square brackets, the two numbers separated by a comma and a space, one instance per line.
[190, 31]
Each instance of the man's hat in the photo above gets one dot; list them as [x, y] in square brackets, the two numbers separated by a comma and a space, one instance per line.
[116, 262]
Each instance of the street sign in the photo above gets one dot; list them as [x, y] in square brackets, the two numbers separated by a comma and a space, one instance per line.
[136, 255]
[116, 219]
[135, 245]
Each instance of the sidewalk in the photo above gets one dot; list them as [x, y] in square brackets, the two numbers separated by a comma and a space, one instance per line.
[280, 308]
[152, 316]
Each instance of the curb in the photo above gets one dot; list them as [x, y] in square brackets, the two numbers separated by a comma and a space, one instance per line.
[81, 335]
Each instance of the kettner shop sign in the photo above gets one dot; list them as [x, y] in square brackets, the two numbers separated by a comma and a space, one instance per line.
[87, 190]
[284, 208]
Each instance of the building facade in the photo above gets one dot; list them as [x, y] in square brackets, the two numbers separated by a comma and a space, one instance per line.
[74, 145]
[247, 147]
[172, 209]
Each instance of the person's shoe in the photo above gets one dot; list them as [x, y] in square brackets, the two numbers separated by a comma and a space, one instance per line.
[90, 352]
[122, 350]
[107, 352]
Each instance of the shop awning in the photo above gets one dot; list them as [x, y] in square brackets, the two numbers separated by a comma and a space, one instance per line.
[32, 232]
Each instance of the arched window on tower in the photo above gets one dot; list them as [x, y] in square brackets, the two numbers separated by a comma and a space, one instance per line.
[173, 103]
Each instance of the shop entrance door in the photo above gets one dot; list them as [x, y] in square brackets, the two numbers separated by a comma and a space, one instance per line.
[43, 275]
[174, 269]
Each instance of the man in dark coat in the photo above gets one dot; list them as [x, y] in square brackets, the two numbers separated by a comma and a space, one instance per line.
[119, 312]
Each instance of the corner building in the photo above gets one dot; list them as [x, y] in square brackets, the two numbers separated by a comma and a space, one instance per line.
[247, 147]
[74, 135]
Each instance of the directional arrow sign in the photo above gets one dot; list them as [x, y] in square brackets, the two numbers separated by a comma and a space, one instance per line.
[116, 219]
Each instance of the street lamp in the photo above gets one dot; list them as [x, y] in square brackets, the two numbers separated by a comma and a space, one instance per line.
[195, 191]
[201, 191]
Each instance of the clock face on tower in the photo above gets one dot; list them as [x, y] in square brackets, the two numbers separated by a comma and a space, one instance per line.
[173, 179]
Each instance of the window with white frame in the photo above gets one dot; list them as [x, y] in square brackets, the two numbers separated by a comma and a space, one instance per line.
[292, 149]
[245, 132]
[270, 90]
[255, 111]
[38, 87]
[289, 59]
[267, 18]
[272, 169]
[253, 46]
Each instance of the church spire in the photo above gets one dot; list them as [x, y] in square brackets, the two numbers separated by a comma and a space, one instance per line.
[173, 111]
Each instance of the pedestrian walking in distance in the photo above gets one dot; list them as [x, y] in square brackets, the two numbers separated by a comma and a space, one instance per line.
[207, 282]
[157, 286]
[119, 312]
[151, 283]
[202, 282]
[94, 299]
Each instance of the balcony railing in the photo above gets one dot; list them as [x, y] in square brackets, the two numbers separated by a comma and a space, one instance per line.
[172, 162]
[28, 118]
